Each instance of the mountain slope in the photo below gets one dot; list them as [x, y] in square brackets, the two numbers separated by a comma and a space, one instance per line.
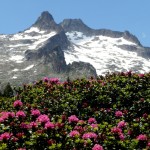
[34, 53]
[70, 48]
[106, 50]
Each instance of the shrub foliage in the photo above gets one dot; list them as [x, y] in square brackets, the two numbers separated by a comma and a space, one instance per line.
[110, 112]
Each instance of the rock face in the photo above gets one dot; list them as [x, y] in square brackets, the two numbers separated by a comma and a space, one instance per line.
[59, 39]
[81, 70]
[48, 55]
[46, 22]
[68, 49]
[75, 25]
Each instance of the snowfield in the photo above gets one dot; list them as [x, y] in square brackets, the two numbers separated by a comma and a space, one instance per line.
[104, 54]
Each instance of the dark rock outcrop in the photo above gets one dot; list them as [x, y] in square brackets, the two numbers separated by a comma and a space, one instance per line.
[59, 39]
[130, 37]
[141, 51]
[46, 22]
[81, 69]
[75, 25]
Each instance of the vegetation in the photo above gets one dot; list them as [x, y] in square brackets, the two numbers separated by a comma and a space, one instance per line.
[110, 112]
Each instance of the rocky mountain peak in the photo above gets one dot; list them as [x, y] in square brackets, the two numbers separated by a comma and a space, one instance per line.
[46, 22]
[74, 25]
[130, 37]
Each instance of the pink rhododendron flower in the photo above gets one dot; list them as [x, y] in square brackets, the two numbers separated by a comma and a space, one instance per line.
[17, 103]
[45, 79]
[35, 112]
[121, 124]
[129, 132]
[97, 147]
[5, 136]
[33, 125]
[5, 115]
[92, 120]
[79, 128]
[118, 114]
[122, 137]
[43, 118]
[20, 135]
[89, 135]
[116, 130]
[74, 133]
[23, 125]
[20, 114]
[11, 114]
[21, 149]
[59, 125]
[14, 139]
[94, 125]
[141, 75]
[142, 137]
[49, 125]
[1, 120]
[54, 80]
[73, 118]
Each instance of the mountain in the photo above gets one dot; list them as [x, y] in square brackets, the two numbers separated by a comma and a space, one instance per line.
[68, 49]
[106, 50]
[37, 52]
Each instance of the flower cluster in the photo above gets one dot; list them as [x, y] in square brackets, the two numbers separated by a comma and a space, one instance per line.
[6, 115]
[142, 137]
[92, 120]
[5, 136]
[97, 147]
[43, 119]
[89, 135]
[35, 112]
[118, 114]
[17, 103]
[74, 133]
[73, 118]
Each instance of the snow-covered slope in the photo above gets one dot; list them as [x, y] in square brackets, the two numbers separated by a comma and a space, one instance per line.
[68, 49]
[105, 53]
[16, 45]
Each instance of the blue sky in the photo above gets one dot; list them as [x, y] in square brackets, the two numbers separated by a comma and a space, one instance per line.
[118, 15]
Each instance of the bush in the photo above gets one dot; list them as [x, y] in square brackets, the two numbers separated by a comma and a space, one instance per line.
[110, 112]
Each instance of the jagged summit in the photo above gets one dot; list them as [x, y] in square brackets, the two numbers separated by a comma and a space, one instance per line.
[130, 37]
[74, 25]
[46, 22]
[70, 25]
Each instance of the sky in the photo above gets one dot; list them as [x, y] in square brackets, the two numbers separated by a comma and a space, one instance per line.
[117, 15]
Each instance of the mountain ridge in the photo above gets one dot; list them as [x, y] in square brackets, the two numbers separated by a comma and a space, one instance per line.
[78, 25]
[68, 49]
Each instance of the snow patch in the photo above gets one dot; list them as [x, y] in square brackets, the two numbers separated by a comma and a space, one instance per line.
[34, 29]
[29, 67]
[17, 58]
[15, 70]
[42, 39]
[14, 77]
